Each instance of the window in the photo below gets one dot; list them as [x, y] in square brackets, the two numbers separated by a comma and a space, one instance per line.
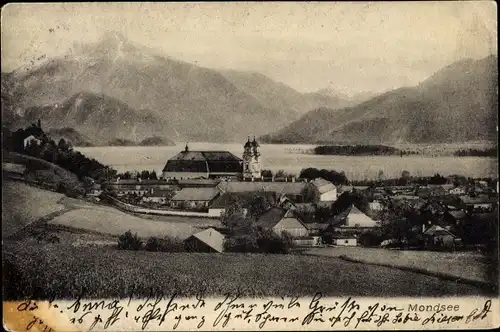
[346, 241]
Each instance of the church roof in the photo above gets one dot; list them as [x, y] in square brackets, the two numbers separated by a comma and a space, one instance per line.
[204, 161]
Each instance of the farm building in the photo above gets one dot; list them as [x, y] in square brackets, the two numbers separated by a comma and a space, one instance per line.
[293, 190]
[94, 190]
[30, 139]
[160, 196]
[345, 241]
[280, 220]
[458, 191]
[307, 241]
[225, 200]
[194, 197]
[441, 237]
[375, 206]
[202, 164]
[208, 240]
[316, 228]
[478, 204]
[351, 219]
[455, 216]
[326, 190]
[430, 191]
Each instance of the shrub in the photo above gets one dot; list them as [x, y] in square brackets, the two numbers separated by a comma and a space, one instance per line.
[164, 244]
[128, 241]
[259, 241]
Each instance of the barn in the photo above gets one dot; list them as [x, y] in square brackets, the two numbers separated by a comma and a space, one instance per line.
[280, 220]
[208, 240]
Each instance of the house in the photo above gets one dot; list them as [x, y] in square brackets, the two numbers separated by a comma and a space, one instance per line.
[455, 216]
[293, 190]
[194, 197]
[208, 240]
[477, 204]
[281, 220]
[95, 190]
[343, 189]
[431, 191]
[458, 191]
[316, 228]
[308, 241]
[440, 237]
[375, 206]
[159, 196]
[31, 138]
[326, 190]
[351, 219]
[345, 240]
[225, 200]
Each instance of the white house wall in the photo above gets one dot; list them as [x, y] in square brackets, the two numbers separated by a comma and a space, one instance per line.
[328, 196]
[292, 226]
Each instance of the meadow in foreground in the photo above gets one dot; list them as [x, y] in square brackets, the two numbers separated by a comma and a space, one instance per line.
[64, 271]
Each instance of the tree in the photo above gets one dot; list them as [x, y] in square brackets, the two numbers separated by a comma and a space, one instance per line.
[233, 214]
[62, 145]
[257, 206]
[153, 175]
[309, 194]
[332, 176]
[266, 173]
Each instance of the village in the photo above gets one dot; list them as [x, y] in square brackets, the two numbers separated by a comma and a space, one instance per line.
[303, 207]
[223, 207]
[311, 210]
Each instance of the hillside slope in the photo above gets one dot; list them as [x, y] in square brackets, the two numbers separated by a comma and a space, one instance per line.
[98, 119]
[279, 96]
[457, 104]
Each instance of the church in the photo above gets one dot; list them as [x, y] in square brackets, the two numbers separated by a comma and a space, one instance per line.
[189, 164]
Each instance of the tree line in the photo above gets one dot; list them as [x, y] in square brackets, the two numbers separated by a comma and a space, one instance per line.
[491, 152]
[60, 153]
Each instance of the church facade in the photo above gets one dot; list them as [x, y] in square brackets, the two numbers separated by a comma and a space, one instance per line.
[252, 163]
[215, 164]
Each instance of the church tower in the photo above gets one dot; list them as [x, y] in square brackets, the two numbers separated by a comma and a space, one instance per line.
[252, 164]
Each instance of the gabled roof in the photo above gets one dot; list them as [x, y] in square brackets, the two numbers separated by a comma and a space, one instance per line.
[341, 219]
[196, 194]
[437, 230]
[274, 215]
[226, 199]
[457, 214]
[476, 200]
[289, 188]
[211, 238]
[323, 186]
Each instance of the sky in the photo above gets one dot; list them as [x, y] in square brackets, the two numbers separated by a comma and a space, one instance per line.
[349, 47]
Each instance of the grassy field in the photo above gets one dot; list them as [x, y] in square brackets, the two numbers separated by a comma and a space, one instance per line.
[466, 265]
[23, 204]
[63, 271]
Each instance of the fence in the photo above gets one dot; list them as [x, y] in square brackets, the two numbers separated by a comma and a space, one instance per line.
[137, 209]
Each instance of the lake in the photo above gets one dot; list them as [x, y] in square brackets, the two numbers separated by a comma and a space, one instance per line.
[276, 156]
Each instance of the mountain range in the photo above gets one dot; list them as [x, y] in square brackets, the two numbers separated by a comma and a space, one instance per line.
[114, 90]
[458, 103]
